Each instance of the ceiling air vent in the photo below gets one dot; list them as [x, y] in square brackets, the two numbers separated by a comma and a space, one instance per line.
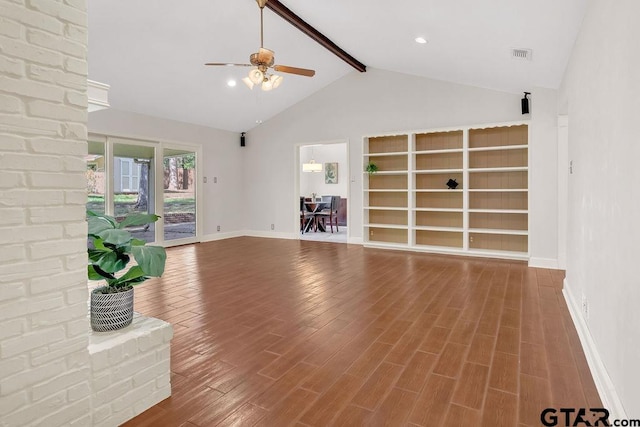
[521, 54]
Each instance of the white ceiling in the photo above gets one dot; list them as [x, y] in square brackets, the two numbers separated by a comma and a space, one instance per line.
[152, 52]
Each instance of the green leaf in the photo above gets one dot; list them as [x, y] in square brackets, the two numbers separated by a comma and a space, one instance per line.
[133, 276]
[93, 274]
[110, 262]
[115, 237]
[150, 258]
[98, 224]
[96, 254]
[98, 243]
[137, 220]
[138, 242]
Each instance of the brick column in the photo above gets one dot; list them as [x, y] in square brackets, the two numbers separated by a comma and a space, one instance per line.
[44, 362]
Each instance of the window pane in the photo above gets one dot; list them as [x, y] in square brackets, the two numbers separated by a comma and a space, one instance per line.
[179, 194]
[133, 185]
[95, 177]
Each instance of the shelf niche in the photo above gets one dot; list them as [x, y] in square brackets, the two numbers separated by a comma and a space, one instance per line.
[450, 140]
[439, 219]
[387, 235]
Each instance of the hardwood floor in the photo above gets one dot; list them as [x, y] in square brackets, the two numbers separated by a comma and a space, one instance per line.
[285, 332]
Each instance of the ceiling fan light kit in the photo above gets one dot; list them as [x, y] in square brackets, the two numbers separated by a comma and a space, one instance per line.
[262, 61]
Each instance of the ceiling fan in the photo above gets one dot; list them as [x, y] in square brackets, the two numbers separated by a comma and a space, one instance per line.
[263, 60]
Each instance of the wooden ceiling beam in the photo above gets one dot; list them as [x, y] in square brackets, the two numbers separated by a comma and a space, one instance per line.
[286, 14]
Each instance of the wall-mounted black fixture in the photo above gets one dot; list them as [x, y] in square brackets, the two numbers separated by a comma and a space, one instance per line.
[525, 103]
[452, 184]
[242, 139]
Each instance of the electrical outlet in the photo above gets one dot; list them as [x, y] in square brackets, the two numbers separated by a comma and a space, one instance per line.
[204, 179]
[215, 179]
[470, 239]
[585, 307]
[571, 167]
[273, 227]
[370, 232]
[218, 228]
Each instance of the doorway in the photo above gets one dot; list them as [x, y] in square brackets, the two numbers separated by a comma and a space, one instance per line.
[323, 171]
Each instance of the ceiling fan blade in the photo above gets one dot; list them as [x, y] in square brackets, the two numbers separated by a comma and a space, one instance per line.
[294, 70]
[228, 64]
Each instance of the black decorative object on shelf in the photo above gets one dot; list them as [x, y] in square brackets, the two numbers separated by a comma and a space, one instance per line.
[452, 184]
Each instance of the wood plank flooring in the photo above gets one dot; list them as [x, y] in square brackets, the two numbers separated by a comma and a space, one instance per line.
[283, 332]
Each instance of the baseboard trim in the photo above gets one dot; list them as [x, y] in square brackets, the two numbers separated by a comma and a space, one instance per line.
[606, 389]
[355, 240]
[221, 236]
[544, 263]
[271, 234]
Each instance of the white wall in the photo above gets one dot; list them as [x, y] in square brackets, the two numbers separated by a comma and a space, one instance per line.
[379, 101]
[44, 362]
[313, 182]
[601, 90]
[222, 159]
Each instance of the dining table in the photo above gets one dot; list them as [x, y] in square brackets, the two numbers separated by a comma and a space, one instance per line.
[314, 208]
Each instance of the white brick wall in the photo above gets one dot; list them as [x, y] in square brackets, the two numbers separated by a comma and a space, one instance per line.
[44, 360]
[130, 370]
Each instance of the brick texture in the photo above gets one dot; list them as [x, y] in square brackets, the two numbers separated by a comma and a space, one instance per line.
[44, 357]
[128, 370]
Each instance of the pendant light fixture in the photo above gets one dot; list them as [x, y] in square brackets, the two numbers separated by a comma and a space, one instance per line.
[312, 166]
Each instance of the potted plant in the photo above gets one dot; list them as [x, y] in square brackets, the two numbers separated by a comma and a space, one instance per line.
[371, 168]
[110, 249]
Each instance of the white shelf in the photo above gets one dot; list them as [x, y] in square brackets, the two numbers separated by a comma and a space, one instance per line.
[384, 208]
[399, 172]
[519, 211]
[449, 150]
[437, 210]
[523, 256]
[436, 171]
[434, 190]
[498, 190]
[385, 245]
[393, 226]
[499, 147]
[498, 231]
[394, 153]
[507, 169]
[432, 228]
[382, 190]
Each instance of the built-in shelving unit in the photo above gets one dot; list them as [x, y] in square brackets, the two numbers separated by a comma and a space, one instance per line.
[407, 203]
[386, 194]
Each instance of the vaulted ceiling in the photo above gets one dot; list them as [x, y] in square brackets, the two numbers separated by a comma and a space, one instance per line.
[152, 52]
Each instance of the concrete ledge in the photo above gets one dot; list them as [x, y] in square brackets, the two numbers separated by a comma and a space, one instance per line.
[130, 370]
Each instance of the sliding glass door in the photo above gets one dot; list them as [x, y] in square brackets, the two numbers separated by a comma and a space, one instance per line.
[133, 185]
[126, 176]
[179, 196]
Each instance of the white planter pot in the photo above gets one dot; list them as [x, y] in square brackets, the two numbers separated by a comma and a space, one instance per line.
[110, 312]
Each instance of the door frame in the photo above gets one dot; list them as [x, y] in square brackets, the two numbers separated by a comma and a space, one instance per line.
[296, 189]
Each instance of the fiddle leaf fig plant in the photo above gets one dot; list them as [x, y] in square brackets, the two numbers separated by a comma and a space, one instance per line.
[111, 248]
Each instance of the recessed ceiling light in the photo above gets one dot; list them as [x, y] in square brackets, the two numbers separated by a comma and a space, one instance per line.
[259, 122]
[231, 83]
[421, 40]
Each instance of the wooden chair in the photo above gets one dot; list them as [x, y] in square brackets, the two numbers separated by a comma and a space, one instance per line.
[330, 212]
[305, 216]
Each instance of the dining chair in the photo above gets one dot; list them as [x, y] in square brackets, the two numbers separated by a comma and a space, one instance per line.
[305, 216]
[330, 212]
